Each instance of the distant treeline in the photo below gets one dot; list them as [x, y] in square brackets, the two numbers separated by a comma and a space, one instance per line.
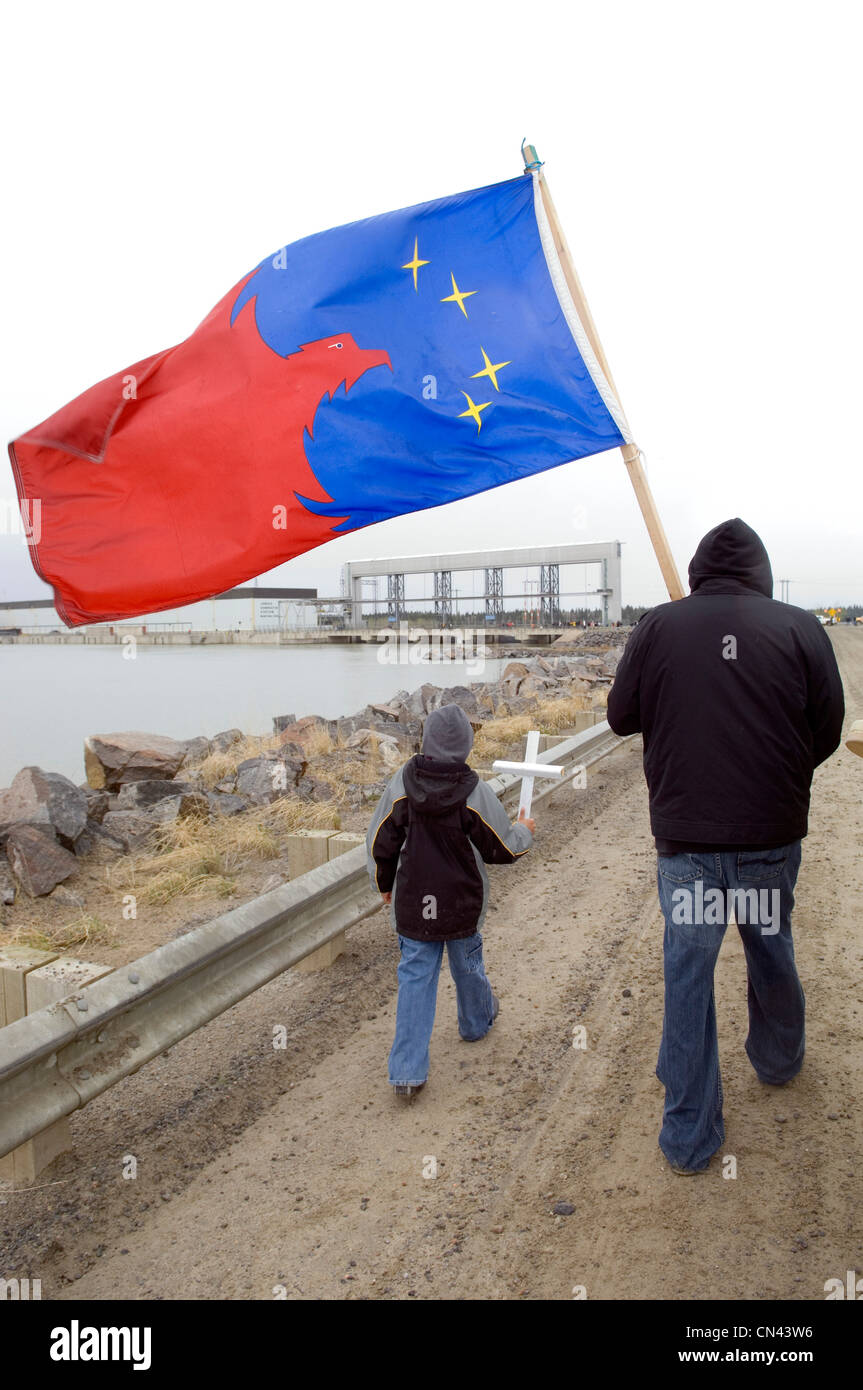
[630, 614]
[516, 616]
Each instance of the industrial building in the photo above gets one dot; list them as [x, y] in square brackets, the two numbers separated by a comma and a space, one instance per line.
[249, 609]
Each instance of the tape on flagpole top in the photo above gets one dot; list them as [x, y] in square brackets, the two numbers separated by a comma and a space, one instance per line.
[531, 158]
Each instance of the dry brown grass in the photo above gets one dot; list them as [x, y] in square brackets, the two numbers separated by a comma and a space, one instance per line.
[289, 814]
[81, 931]
[549, 716]
[198, 858]
[184, 883]
[217, 766]
[318, 744]
[365, 771]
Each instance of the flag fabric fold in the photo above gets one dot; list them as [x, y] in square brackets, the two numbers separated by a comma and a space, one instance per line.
[383, 367]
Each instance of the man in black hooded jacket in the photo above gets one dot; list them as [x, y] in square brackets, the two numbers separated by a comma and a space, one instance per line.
[739, 699]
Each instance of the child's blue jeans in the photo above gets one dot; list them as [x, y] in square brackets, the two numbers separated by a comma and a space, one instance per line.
[419, 969]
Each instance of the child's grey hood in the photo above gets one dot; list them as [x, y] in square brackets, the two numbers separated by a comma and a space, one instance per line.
[447, 735]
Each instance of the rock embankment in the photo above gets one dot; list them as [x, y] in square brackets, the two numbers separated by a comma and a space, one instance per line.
[138, 782]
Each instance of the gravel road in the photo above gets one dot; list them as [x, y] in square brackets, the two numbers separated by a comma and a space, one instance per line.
[294, 1173]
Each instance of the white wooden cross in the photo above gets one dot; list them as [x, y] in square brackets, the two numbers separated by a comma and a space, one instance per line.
[528, 770]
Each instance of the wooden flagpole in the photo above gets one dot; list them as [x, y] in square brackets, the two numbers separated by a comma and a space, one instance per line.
[631, 456]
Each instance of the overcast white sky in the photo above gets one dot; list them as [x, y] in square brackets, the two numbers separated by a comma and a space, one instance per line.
[704, 160]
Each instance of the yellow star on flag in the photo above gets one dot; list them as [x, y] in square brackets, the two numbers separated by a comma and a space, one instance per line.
[490, 369]
[458, 296]
[473, 410]
[415, 264]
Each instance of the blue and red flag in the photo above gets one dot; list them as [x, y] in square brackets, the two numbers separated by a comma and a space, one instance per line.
[379, 368]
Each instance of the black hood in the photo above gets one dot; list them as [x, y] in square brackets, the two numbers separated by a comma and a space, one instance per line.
[434, 786]
[731, 551]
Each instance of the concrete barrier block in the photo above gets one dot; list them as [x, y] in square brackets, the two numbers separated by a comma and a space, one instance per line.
[62, 976]
[323, 956]
[307, 849]
[547, 741]
[338, 842]
[47, 979]
[23, 1165]
[343, 841]
[16, 962]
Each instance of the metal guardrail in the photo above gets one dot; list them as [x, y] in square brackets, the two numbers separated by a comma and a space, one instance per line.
[579, 751]
[55, 1061]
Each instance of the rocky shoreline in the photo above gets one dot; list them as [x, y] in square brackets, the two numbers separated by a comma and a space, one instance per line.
[139, 785]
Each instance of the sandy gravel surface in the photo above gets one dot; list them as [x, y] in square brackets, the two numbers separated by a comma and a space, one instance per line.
[297, 1171]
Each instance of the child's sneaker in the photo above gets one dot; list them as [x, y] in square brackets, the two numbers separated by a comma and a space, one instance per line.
[402, 1089]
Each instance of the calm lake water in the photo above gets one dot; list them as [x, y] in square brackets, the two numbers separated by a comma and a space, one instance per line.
[53, 697]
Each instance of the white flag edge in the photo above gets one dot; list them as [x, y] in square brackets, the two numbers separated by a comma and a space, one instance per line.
[570, 313]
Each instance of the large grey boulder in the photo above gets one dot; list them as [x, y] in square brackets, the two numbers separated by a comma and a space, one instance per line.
[462, 696]
[220, 743]
[130, 829]
[196, 749]
[514, 669]
[111, 760]
[386, 712]
[46, 800]
[263, 780]
[281, 722]
[437, 698]
[518, 704]
[98, 803]
[305, 730]
[347, 725]
[37, 861]
[293, 752]
[311, 788]
[171, 808]
[407, 736]
[390, 754]
[534, 685]
[512, 678]
[539, 665]
[417, 703]
[143, 796]
[370, 743]
[225, 803]
[366, 740]
[497, 699]
[84, 842]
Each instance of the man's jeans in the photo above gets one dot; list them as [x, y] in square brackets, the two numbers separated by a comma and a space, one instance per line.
[695, 922]
[419, 968]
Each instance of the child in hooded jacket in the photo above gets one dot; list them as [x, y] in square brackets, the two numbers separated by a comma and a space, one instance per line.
[433, 831]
